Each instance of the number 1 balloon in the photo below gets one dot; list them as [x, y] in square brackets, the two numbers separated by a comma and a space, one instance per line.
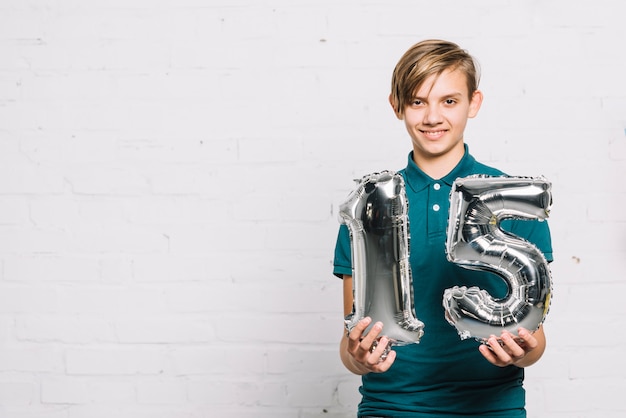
[475, 241]
[376, 215]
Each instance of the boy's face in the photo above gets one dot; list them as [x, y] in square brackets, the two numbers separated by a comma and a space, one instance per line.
[437, 115]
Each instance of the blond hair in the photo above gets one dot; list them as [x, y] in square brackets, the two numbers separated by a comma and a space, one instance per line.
[427, 58]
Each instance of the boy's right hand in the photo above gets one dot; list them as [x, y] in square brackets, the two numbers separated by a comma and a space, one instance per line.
[367, 351]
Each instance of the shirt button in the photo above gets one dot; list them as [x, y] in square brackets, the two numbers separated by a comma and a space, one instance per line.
[436, 186]
[436, 207]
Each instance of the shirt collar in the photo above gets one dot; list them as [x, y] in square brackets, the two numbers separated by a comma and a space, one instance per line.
[418, 180]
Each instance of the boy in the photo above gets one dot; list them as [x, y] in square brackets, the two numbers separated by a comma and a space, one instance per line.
[434, 91]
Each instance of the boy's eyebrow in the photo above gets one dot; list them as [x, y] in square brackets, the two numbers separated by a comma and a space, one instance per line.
[453, 94]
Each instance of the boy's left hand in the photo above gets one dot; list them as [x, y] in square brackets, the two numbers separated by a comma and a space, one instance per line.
[509, 350]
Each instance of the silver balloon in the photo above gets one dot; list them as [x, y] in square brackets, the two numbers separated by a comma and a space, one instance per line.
[476, 241]
[376, 215]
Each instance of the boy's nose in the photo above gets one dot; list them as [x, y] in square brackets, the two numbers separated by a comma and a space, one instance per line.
[432, 116]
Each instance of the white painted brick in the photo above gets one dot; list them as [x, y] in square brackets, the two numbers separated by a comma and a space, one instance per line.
[64, 329]
[348, 392]
[130, 411]
[145, 299]
[283, 329]
[67, 87]
[216, 297]
[118, 239]
[590, 397]
[27, 299]
[161, 391]
[165, 211]
[555, 361]
[7, 329]
[310, 237]
[11, 88]
[206, 239]
[35, 360]
[185, 180]
[112, 391]
[597, 295]
[107, 180]
[607, 210]
[64, 391]
[288, 297]
[87, 300]
[294, 207]
[44, 268]
[13, 211]
[80, 148]
[18, 392]
[251, 412]
[198, 147]
[34, 411]
[214, 360]
[28, 179]
[281, 267]
[219, 393]
[19, 24]
[116, 270]
[25, 240]
[158, 268]
[593, 363]
[255, 150]
[110, 299]
[9, 143]
[115, 361]
[49, 211]
[83, 390]
[302, 362]
[310, 393]
[163, 330]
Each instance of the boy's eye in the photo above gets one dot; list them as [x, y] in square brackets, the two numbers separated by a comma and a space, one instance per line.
[416, 102]
[450, 101]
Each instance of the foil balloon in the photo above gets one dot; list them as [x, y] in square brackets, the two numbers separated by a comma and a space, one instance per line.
[476, 241]
[376, 214]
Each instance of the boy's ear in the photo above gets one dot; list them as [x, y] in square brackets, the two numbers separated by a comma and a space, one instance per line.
[395, 108]
[475, 102]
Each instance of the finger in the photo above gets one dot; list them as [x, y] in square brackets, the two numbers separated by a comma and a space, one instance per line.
[529, 340]
[372, 335]
[488, 354]
[502, 357]
[378, 350]
[385, 364]
[381, 357]
[356, 333]
[512, 346]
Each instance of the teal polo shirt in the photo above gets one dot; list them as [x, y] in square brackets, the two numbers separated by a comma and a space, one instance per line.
[442, 376]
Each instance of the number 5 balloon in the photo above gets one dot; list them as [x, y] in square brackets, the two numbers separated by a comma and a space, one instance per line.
[475, 241]
[376, 215]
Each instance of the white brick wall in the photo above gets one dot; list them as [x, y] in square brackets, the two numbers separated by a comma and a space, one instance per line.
[169, 179]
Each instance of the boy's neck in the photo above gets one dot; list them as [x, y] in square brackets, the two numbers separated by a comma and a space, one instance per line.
[439, 166]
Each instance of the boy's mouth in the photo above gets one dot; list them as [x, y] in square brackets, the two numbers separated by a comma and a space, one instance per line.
[434, 134]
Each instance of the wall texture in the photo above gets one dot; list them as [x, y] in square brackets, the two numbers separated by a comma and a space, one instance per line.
[170, 172]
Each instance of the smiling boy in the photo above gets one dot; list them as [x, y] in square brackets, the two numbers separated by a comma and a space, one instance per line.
[434, 92]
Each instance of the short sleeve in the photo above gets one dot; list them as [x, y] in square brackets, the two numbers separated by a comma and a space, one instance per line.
[342, 263]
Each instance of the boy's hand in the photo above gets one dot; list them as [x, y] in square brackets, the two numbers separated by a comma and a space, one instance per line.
[510, 350]
[367, 352]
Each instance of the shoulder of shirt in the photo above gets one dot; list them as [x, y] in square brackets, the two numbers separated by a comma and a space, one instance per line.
[480, 168]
